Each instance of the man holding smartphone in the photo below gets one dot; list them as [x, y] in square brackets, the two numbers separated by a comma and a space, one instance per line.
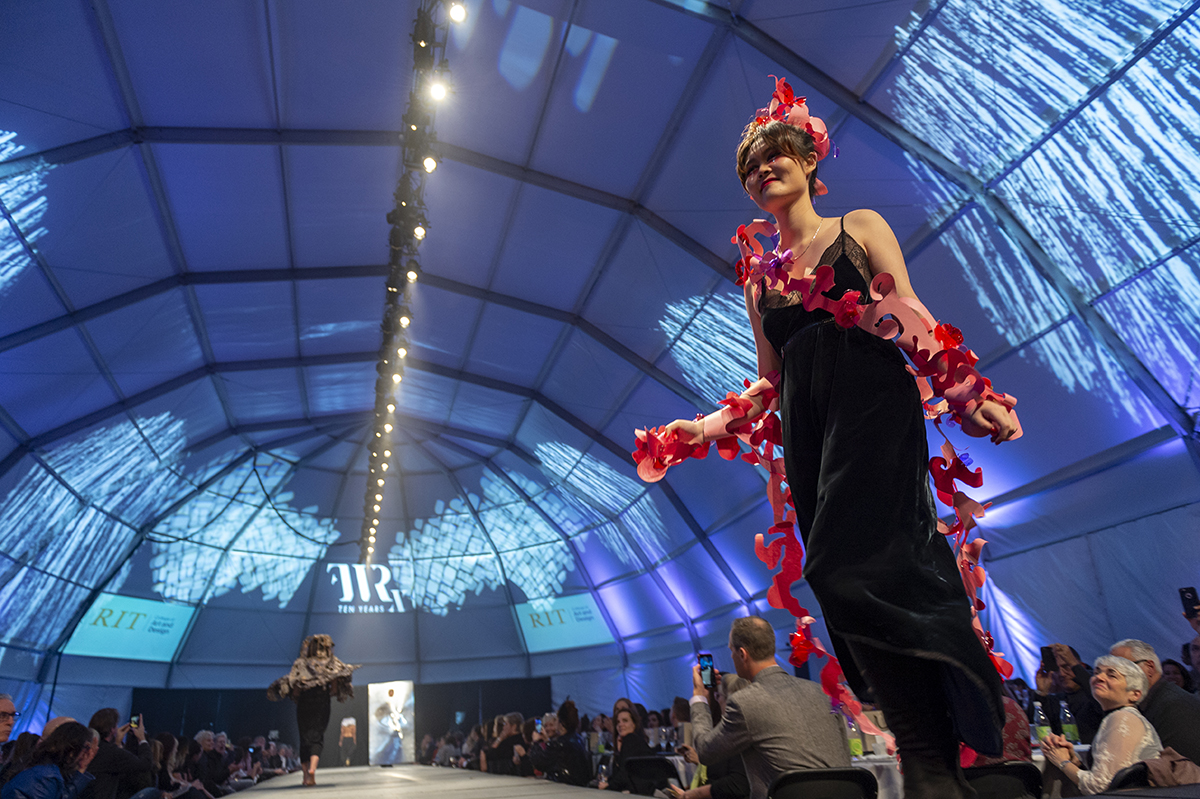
[119, 773]
[777, 724]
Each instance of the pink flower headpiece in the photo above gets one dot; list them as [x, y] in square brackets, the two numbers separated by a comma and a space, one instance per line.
[787, 107]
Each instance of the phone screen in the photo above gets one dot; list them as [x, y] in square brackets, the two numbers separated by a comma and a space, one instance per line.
[1191, 603]
[706, 670]
[538, 725]
[1049, 661]
[133, 722]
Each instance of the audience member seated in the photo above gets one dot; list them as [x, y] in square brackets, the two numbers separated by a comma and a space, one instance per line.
[1017, 746]
[1069, 682]
[202, 765]
[168, 780]
[1124, 737]
[1174, 712]
[8, 717]
[57, 766]
[448, 752]
[630, 742]
[724, 779]
[653, 720]
[499, 758]
[681, 713]
[17, 758]
[1177, 673]
[564, 756]
[120, 773]
[777, 724]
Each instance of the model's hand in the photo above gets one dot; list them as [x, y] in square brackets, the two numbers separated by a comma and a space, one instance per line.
[691, 431]
[990, 419]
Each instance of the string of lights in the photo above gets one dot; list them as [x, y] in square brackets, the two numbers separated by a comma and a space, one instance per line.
[431, 84]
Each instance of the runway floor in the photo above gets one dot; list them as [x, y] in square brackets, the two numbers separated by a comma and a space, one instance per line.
[413, 782]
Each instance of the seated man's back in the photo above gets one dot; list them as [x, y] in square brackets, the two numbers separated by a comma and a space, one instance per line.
[778, 723]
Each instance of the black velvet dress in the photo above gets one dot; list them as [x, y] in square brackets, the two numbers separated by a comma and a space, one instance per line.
[857, 463]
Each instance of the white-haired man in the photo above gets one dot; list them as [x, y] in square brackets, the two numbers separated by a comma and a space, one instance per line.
[8, 716]
[1174, 712]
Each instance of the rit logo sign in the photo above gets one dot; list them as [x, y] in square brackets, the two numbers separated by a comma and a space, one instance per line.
[105, 618]
[547, 619]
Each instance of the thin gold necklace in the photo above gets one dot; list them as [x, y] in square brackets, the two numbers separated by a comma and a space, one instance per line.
[810, 241]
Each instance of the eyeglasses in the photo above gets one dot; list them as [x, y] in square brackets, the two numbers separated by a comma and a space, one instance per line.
[10, 716]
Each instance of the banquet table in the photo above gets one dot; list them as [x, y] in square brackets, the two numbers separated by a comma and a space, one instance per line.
[891, 784]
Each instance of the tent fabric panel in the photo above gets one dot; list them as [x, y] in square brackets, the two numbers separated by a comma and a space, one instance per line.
[101, 221]
[470, 669]
[444, 324]
[588, 378]
[643, 296]
[1146, 485]
[196, 676]
[248, 637]
[697, 582]
[565, 661]
[511, 345]
[213, 53]
[330, 75]
[610, 49]
[339, 197]
[505, 56]
[441, 636]
[246, 321]
[592, 691]
[638, 605]
[227, 204]
[26, 297]
[649, 405]
[55, 74]
[553, 242]
[460, 198]
[735, 542]
[131, 342]
[263, 394]
[338, 316]
[20, 664]
[197, 404]
[653, 649]
[1057, 55]
[111, 672]
[340, 388]
[426, 395]
[51, 380]
[37, 608]
[486, 410]
[713, 349]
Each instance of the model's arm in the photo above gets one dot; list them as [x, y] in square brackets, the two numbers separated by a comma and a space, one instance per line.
[885, 256]
[693, 430]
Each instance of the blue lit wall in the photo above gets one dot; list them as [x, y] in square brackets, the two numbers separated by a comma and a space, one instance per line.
[714, 345]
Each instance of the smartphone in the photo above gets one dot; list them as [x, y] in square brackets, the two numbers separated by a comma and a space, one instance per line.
[706, 670]
[538, 725]
[1191, 603]
[1049, 661]
[133, 722]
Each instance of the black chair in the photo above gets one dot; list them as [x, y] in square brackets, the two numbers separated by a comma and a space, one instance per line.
[1005, 781]
[824, 783]
[650, 773]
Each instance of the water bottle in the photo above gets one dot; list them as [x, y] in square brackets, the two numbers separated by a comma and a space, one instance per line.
[855, 738]
[1041, 726]
[1070, 729]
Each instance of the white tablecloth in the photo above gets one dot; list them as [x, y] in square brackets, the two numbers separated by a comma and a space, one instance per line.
[891, 783]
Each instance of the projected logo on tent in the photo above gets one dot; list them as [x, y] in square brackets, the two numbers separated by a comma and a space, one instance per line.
[391, 727]
[365, 588]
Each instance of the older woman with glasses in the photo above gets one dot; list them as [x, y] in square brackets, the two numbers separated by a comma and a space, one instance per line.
[1124, 738]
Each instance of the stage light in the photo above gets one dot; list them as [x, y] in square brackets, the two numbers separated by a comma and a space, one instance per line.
[379, 497]
[396, 378]
[387, 453]
[437, 90]
[402, 352]
[374, 522]
[391, 408]
[405, 321]
[379, 482]
[371, 529]
[375, 508]
[419, 232]
[378, 434]
[458, 12]
[370, 550]
[430, 163]
[387, 428]
[371, 539]
[383, 466]
[412, 276]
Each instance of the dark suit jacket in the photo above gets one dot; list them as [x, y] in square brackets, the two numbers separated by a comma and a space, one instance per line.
[777, 724]
[1175, 715]
[119, 773]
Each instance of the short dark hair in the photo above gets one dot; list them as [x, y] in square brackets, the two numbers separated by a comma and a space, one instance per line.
[755, 635]
[788, 139]
[681, 709]
[568, 716]
[105, 720]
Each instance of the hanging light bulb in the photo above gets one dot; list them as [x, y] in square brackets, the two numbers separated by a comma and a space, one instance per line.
[387, 428]
[374, 521]
[458, 12]
[375, 508]
[379, 482]
[430, 163]
[419, 232]
[391, 408]
[396, 378]
[402, 353]
[411, 276]
[405, 321]
[378, 434]
[371, 539]
[383, 466]
[437, 90]
[370, 550]
[379, 497]
[387, 453]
